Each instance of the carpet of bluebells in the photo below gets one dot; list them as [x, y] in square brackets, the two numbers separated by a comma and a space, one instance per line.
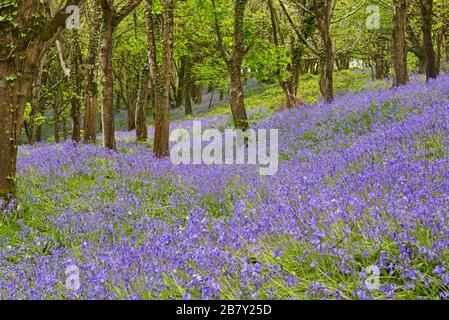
[362, 182]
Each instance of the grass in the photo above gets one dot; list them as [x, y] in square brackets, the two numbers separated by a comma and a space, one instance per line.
[263, 101]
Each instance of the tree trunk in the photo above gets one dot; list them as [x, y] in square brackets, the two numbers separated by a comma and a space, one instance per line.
[343, 61]
[234, 62]
[237, 95]
[439, 51]
[399, 43]
[416, 48]
[35, 105]
[181, 81]
[327, 68]
[160, 75]
[381, 67]
[187, 88]
[91, 87]
[142, 106]
[76, 82]
[13, 96]
[91, 99]
[108, 80]
[289, 85]
[199, 94]
[18, 67]
[65, 132]
[57, 110]
[131, 111]
[39, 134]
[447, 47]
[429, 52]
[323, 13]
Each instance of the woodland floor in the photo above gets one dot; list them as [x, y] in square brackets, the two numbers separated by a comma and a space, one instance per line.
[362, 182]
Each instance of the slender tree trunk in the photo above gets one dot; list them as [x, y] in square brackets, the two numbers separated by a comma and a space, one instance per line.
[142, 106]
[236, 92]
[35, 105]
[429, 52]
[91, 98]
[327, 68]
[237, 95]
[234, 62]
[381, 67]
[323, 13]
[111, 18]
[108, 80]
[76, 81]
[446, 37]
[76, 120]
[65, 132]
[440, 38]
[289, 85]
[199, 94]
[343, 61]
[56, 125]
[131, 111]
[187, 88]
[39, 134]
[416, 47]
[57, 111]
[180, 79]
[91, 87]
[399, 43]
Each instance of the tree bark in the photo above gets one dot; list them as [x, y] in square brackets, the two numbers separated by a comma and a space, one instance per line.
[12, 97]
[343, 61]
[131, 111]
[429, 52]
[237, 95]
[142, 106]
[160, 75]
[21, 53]
[72, 70]
[111, 18]
[76, 86]
[381, 66]
[234, 61]
[108, 78]
[399, 43]
[36, 105]
[187, 87]
[289, 85]
[91, 87]
[57, 111]
[440, 44]
[323, 13]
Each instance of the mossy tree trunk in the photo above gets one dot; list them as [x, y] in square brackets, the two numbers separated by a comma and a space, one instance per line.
[24, 38]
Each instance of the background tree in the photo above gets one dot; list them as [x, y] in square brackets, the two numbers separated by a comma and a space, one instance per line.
[112, 16]
[234, 59]
[160, 68]
[426, 7]
[399, 42]
[27, 29]
[91, 71]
